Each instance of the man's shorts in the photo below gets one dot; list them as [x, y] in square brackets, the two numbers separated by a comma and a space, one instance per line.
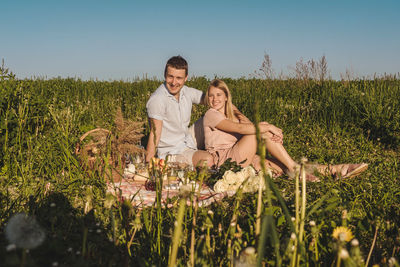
[185, 157]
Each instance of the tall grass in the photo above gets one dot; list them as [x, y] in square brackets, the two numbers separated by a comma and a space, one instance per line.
[334, 122]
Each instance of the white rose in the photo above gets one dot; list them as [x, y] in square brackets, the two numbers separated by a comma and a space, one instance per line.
[220, 186]
[249, 171]
[230, 177]
[233, 187]
[241, 177]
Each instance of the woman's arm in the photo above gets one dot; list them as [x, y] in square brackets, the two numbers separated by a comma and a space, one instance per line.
[241, 128]
[239, 115]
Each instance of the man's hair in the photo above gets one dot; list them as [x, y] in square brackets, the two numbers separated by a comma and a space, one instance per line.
[177, 62]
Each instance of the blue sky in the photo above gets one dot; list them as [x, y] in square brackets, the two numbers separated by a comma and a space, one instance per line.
[110, 40]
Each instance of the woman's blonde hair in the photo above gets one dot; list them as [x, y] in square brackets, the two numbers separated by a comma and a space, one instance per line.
[220, 84]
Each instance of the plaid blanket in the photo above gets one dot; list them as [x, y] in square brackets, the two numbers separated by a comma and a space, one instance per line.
[136, 192]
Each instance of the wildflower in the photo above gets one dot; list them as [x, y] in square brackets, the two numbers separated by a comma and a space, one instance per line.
[23, 231]
[247, 258]
[354, 242]
[210, 212]
[393, 262]
[69, 249]
[343, 254]
[342, 233]
[11, 247]
[312, 223]
[293, 236]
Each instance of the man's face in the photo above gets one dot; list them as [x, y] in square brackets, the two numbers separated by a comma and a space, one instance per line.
[174, 80]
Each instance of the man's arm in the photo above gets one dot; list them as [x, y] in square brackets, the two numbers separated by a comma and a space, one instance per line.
[154, 138]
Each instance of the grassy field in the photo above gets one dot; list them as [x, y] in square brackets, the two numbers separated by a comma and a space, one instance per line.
[326, 122]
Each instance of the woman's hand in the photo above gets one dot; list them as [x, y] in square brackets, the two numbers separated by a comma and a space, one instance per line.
[270, 131]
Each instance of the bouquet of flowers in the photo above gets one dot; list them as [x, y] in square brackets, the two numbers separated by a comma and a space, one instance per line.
[231, 181]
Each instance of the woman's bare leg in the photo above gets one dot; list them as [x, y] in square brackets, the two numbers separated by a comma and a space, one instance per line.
[279, 152]
[276, 166]
[247, 145]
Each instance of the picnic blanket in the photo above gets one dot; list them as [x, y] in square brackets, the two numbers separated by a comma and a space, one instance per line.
[136, 192]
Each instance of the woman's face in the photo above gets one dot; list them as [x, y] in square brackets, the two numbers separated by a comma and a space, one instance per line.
[217, 99]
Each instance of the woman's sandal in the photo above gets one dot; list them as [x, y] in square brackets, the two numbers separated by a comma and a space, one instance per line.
[350, 170]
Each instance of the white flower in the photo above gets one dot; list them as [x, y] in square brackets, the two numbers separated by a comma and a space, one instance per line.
[354, 242]
[11, 247]
[230, 177]
[293, 236]
[220, 186]
[343, 254]
[241, 177]
[249, 171]
[23, 231]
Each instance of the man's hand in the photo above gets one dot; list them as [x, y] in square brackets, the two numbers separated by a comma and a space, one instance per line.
[154, 138]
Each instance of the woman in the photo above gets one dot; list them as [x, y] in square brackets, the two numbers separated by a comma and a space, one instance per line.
[229, 134]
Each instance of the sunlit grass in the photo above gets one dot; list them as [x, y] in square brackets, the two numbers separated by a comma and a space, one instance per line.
[337, 122]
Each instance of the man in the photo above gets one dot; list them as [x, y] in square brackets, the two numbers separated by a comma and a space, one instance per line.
[169, 110]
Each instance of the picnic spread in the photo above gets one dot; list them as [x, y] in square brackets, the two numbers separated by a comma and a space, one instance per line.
[137, 186]
[136, 192]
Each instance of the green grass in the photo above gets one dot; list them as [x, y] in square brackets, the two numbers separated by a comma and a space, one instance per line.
[333, 122]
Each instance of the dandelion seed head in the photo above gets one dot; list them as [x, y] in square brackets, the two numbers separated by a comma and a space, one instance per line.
[355, 242]
[343, 254]
[392, 262]
[312, 223]
[250, 250]
[23, 231]
[11, 247]
[293, 219]
[293, 236]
